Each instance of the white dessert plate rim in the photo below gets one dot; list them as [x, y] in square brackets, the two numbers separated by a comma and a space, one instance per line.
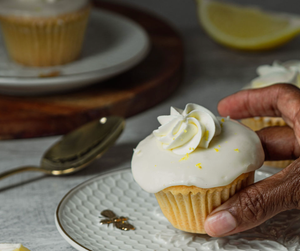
[122, 54]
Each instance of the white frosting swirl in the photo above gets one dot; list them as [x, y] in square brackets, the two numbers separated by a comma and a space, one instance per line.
[287, 72]
[40, 8]
[184, 130]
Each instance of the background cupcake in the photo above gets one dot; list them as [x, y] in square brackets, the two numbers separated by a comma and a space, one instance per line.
[44, 32]
[287, 72]
[194, 162]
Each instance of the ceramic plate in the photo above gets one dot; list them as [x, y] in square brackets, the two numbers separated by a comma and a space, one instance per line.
[113, 44]
[77, 220]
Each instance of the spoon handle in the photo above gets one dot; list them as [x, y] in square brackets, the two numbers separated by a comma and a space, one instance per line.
[23, 169]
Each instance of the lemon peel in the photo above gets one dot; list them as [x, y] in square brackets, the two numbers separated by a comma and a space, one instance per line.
[13, 247]
[246, 28]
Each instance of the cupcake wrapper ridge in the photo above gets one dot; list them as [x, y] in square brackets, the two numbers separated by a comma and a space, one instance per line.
[187, 207]
[45, 41]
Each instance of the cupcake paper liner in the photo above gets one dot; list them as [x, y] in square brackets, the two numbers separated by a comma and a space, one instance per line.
[278, 163]
[258, 123]
[45, 41]
[186, 207]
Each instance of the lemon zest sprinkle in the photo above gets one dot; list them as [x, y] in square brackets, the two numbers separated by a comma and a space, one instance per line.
[184, 157]
[216, 149]
[199, 165]
[237, 150]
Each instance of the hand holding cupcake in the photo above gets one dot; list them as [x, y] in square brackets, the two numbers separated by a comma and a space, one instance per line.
[257, 203]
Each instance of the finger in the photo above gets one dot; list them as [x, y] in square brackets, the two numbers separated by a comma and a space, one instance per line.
[257, 203]
[279, 143]
[280, 100]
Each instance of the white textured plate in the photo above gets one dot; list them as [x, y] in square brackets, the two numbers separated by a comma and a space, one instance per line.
[77, 219]
[113, 44]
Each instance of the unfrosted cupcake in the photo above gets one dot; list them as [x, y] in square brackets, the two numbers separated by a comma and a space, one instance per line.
[44, 32]
[194, 162]
[287, 72]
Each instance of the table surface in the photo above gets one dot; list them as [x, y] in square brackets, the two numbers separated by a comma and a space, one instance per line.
[28, 200]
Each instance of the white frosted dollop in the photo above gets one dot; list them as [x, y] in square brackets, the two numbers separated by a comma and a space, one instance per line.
[185, 130]
[287, 72]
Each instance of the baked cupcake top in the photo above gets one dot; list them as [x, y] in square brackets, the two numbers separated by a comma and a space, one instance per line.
[287, 72]
[40, 8]
[192, 147]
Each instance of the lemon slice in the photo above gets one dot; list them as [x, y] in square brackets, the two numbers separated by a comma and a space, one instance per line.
[246, 28]
[12, 247]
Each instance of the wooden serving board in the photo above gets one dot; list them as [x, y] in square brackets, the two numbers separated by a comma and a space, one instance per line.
[134, 91]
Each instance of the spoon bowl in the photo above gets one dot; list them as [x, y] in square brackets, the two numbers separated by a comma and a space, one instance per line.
[77, 149]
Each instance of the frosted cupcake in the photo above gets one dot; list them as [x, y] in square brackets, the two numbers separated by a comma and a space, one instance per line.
[194, 162]
[287, 72]
[44, 32]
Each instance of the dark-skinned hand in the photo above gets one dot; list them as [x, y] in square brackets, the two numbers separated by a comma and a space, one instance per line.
[259, 202]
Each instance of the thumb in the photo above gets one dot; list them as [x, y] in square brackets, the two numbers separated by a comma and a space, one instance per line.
[257, 203]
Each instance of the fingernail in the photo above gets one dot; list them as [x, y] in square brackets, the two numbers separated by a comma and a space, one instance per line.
[220, 223]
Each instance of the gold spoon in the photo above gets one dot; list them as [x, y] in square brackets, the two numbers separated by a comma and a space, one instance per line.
[78, 148]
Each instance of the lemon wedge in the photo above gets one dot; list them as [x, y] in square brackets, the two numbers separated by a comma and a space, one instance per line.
[12, 247]
[246, 28]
